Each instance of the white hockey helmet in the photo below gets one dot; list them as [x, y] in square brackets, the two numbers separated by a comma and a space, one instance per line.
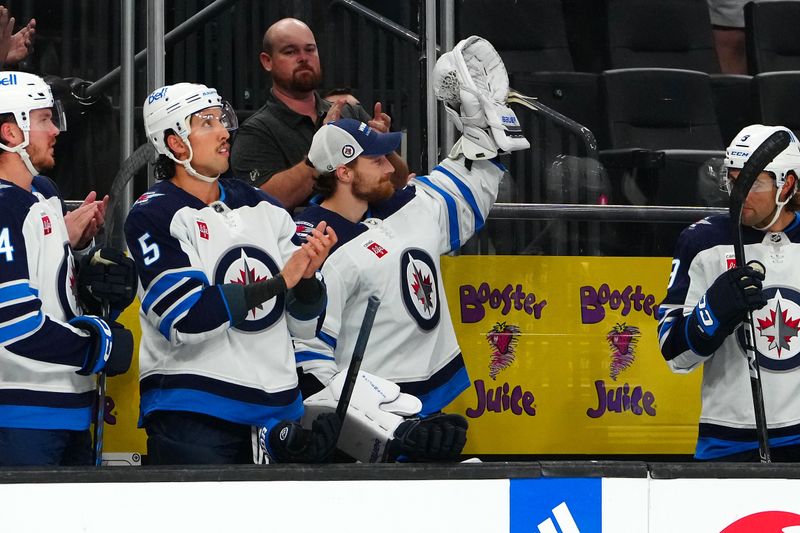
[750, 138]
[171, 108]
[746, 142]
[21, 93]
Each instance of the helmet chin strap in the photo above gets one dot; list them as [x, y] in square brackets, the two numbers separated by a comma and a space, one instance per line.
[778, 208]
[22, 153]
[186, 163]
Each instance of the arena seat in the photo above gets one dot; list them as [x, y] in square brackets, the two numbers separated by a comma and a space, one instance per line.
[530, 35]
[776, 98]
[668, 34]
[770, 29]
[733, 102]
[663, 134]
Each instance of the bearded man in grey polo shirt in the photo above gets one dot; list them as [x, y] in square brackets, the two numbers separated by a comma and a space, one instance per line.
[271, 146]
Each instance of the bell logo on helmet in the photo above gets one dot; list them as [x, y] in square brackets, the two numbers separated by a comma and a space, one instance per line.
[157, 95]
[11, 79]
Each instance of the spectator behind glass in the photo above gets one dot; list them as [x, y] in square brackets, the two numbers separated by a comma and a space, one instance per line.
[271, 146]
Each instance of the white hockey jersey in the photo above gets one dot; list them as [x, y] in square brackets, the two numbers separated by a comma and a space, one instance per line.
[39, 351]
[395, 254]
[190, 357]
[727, 421]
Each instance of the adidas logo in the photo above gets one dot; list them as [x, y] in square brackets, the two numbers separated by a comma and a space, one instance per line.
[566, 524]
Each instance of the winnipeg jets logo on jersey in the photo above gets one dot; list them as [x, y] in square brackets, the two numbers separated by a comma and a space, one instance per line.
[67, 285]
[418, 281]
[245, 265]
[146, 197]
[777, 324]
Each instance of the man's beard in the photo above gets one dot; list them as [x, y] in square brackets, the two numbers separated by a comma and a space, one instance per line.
[380, 192]
[303, 81]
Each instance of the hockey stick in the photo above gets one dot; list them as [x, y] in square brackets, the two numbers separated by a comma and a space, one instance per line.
[138, 159]
[358, 355]
[99, 421]
[759, 159]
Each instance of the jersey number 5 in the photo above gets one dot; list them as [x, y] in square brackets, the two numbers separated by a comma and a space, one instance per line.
[150, 252]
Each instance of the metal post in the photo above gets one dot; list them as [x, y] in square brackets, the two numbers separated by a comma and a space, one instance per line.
[155, 54]
[447, 15]
[430, 100]
[126, 91]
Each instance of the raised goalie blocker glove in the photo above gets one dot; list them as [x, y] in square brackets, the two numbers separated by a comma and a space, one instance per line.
[472, 81]
[724, 306]
[106, 274]
[439, 437]
[111, 350]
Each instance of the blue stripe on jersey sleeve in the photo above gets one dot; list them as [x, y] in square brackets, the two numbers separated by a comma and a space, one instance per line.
[21, 328]
[167, 282]
[15, 291]
[166, 322]
[468, 196]
[327, 339]
[452, 212]
[307, 355]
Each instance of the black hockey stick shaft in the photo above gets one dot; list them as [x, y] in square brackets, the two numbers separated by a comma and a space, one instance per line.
[358, 356]
[128, 169]
[758, 160]
[99, 421]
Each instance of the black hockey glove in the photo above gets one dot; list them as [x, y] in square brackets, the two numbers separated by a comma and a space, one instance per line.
[106, 274]
[724, 306]
[112, 346]
[289, 442]
[439, 437]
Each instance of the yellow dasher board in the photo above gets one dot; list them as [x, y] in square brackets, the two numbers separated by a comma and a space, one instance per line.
[562, 353]
[563, 356]
[120, 434]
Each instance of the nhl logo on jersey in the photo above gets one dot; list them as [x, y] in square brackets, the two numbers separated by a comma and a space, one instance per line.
[418, 282]
[48, 227]
[245, 265]
[777, 324]
[203, 227]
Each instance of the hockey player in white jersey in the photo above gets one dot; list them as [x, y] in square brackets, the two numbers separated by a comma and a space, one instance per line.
[708, 298]
[390, 246]
[49, 350]
[222, 285]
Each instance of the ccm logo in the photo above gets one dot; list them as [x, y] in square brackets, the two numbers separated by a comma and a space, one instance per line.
[739, 154]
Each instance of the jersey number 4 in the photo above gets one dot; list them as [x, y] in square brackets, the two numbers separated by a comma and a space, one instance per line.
[5, 245]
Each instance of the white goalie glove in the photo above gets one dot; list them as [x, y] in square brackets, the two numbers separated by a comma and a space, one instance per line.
[472, 81]
[377, 427]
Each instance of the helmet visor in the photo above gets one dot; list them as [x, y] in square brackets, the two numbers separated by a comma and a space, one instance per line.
[212, 115]
[764, 182]
[47, 117]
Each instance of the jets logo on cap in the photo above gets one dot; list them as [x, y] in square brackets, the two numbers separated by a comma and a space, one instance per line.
[348, 150]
